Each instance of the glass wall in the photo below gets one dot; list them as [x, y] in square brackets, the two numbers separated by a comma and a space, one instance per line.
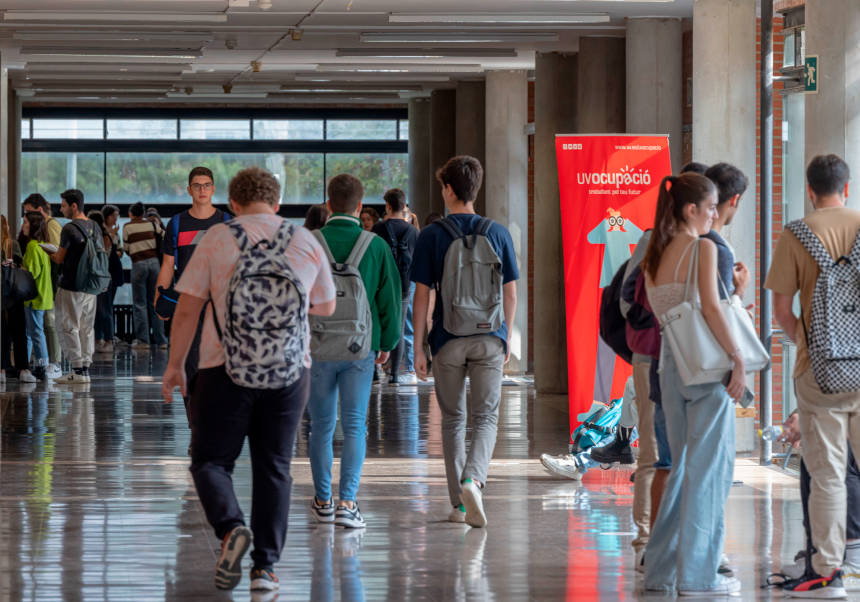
[51, 173]
[377, 172]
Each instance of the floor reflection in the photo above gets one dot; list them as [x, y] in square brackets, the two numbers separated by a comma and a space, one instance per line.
[96, 503]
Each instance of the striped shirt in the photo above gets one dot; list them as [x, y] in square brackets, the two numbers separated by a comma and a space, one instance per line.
[139, 239]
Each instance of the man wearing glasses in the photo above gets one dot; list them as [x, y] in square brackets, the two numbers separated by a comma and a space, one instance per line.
[182, 234]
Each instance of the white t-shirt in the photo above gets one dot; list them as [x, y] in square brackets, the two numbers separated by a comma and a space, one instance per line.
[207, 275]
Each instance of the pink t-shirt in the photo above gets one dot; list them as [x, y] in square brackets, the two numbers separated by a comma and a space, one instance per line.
[207, 275]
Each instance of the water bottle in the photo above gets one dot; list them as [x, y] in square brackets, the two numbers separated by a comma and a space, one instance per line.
[771, 433]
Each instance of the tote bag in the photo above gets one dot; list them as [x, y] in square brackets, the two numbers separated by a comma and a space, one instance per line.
[698, 355]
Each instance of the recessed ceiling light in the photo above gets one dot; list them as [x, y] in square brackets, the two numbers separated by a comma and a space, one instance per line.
[426, 53]
[91, 16]
[495, 18]
[456, 38]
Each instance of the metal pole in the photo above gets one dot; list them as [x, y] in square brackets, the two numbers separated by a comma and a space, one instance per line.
[766, 237]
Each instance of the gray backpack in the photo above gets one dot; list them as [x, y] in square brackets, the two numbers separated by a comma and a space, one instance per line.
[834, 343]
[471, 287]
[264, 332]
[346, 334]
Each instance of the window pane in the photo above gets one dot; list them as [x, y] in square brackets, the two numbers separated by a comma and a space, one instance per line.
[158, 178]
[404, 129]
[25, 128]
[377, 172]
[361, 129]
[51, 173]
[74, 129]
[282, 129]
[215, 129]
[142, 129]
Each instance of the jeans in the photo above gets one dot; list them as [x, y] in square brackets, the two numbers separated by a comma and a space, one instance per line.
[144, 275]
[664, 452]
[223, 414]
[481, 358]
[52, 337]
[76, 314]
[36, 343]
[398, 352]
[104, 327]
[351, 380]
[852, 486]
[686, 543]
[408, 335]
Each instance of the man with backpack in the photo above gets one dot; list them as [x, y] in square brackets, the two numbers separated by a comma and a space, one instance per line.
[83, 276]
[365, 326]
[401, 235]
[256, 280]
[818, 257]
[471, 262]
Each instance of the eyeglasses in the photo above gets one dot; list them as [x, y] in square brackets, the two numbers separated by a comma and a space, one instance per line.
[198, 187]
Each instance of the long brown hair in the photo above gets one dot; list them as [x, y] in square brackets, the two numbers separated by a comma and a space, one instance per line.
[5, 238]
[676, 192]
[38, 228]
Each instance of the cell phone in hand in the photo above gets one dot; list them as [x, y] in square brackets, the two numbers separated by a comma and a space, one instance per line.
[748, 397]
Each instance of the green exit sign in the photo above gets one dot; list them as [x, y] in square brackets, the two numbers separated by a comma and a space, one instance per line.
[810, 74]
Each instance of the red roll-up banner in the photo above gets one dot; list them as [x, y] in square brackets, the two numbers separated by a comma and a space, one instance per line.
[608, 186]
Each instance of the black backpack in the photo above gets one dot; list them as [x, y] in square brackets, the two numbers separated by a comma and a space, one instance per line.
[402, 255]
[613, 326]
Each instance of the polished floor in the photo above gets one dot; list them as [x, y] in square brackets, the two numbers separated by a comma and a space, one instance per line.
[96, 503]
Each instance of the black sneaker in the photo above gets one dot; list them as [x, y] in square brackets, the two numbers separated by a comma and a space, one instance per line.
[349, 517]
[812, 585]
[617, 451]
[263, 580]
[228, 569]
[324, 513]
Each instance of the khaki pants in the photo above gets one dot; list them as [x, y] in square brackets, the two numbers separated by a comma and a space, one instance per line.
[76, 314]
[647, 455]
[827, 423]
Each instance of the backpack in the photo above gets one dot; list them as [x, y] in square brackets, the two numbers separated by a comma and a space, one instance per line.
[600, 424]
[471, 285]
[642, 330]
[346, 334]
[613, 325]
[93, 275]
[402, 256]
[834, 345]
[265, 333]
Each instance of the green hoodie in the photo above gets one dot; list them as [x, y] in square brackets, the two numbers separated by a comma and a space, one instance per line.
[379, 274]
[37, 262]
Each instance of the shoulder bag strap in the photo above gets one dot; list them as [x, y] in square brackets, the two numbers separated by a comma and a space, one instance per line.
[359, 248]
[321, 239]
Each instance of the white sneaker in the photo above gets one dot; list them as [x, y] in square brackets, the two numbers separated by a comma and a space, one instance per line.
[457, 515]
[565, 465]
[851, 577]
[53, 371]
[139, 345]
[72, 378]
[725, 586]
[407, 379]
[472, 499]
[25, 376]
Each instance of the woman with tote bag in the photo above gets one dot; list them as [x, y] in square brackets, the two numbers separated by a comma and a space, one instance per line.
[686, 542]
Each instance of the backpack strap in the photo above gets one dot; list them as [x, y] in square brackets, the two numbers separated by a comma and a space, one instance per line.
[811, 243]
[483, 226]
[321, 239]
[175, 221]
[284, 236]
[451, 227]
[854, 255]
[359, 248]
[239, 234]
[392, 240]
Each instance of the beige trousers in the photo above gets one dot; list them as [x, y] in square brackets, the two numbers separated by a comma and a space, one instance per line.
[827, 423]
[76, 314]
[647, 455]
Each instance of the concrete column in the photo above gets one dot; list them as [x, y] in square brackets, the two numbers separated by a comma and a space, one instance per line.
[725, 80]
[555, 113]
[654, 81]
[833, 114]
[13, 171]
[443, 115]
[600, 99]
[470, 127]
[419, 157]
[506, 185]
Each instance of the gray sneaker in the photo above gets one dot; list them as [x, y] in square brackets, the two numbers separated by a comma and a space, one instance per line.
[349, 517]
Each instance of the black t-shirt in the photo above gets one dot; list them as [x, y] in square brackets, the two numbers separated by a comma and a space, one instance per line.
[191, 231]
[73, 241]
[403, 232]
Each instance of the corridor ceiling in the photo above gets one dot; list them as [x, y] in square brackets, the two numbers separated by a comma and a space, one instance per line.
[287, 51]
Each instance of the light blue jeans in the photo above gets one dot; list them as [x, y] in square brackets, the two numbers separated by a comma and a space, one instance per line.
[687, 539]
[352, 381]
[36, 342]
[409, 335]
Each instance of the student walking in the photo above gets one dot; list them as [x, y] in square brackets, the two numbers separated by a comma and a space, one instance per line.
[37, 262]
[366, 326]
[471, 342]
[140, 238]
[686, 542]
[253, 376]
[809, 261]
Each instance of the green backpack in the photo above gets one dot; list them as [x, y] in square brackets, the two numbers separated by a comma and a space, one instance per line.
[93, 275]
